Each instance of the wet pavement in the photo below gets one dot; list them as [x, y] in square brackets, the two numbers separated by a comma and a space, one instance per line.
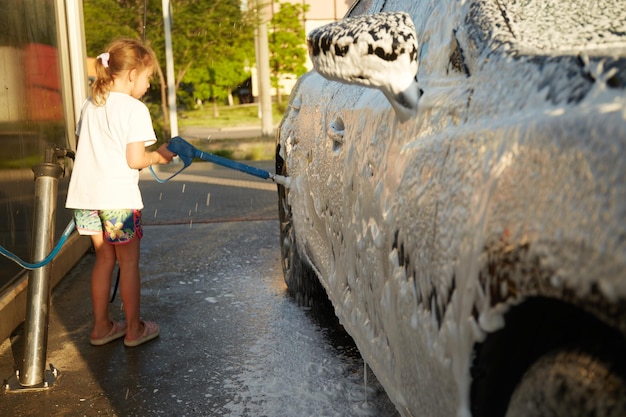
[232, 342]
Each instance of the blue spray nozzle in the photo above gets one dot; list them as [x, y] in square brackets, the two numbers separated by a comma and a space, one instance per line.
[185, 150]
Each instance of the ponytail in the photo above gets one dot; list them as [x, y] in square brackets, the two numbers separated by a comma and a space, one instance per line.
[102, 84]
[121, 55]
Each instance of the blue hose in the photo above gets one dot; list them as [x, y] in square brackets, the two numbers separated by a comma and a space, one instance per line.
[68, 230]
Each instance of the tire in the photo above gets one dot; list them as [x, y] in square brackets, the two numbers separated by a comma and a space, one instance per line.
[302, 282]
[569, 384]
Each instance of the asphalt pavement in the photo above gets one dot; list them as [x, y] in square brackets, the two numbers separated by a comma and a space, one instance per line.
[232, 342]
[180, 258]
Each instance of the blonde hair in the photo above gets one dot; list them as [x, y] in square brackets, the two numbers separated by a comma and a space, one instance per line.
[121, 55]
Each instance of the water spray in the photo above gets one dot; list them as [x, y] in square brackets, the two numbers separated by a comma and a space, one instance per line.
[187, 152]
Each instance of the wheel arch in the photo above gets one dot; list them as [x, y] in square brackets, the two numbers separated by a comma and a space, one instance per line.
[302, 282]
[533, 328]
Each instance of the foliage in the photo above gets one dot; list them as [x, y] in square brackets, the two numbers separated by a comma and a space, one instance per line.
[104, 21]
[245, 115]
[288, 54]
[211, 39]
[40, 28]
[212, 46]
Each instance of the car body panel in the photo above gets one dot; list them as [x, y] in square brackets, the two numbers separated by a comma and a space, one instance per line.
[411, 225]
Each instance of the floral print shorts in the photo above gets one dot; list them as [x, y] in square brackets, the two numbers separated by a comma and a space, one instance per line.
[119, 225]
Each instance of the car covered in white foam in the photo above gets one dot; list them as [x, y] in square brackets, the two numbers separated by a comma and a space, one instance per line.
[457, 189]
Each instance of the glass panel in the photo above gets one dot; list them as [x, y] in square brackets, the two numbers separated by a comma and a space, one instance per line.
[547, 25]
[31, 118]
[364, 7]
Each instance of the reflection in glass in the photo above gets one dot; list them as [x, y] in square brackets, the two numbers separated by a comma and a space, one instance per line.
[31, 118]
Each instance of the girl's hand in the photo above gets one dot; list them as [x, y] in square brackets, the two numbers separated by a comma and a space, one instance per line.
[138, 158]
[165, 153]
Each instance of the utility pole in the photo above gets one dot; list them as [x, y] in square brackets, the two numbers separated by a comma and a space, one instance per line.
[263, 70]
[169, 60]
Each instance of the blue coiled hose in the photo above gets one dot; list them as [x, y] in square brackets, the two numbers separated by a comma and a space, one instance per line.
[27, 265]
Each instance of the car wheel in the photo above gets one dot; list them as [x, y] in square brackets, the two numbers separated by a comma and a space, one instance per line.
[302, 282]
[569, 384]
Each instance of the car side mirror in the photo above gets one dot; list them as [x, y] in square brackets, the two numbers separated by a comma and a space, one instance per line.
[378, 51]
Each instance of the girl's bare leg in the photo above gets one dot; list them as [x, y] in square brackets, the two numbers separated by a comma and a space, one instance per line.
[130, 285]
[101, 285]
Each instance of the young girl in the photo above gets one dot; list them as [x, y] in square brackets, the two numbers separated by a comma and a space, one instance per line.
[113, 132]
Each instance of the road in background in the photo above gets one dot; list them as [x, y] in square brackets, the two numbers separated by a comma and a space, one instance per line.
[201, 132]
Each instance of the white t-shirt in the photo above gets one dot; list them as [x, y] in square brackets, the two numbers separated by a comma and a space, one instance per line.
[101, 178]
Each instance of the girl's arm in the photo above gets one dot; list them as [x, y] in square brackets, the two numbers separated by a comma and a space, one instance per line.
[137, 157]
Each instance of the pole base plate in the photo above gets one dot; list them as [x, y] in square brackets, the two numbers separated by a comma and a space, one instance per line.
[12, 384]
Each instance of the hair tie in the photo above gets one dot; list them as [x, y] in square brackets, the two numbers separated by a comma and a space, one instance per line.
[104, 57]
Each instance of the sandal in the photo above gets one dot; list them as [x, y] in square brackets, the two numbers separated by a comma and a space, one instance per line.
[150, 331]
[117, 330]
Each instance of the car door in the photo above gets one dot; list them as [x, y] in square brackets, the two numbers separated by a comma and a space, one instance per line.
[316, 140]
[378, 197]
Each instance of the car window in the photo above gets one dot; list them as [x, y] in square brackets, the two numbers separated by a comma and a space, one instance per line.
[365, 7]
[457, 58]
[548, 26]
[552, 24]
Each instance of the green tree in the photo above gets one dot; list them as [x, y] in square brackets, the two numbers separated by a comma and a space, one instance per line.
[217, 41]
[211, 42]
[286, 43]
[104, 21]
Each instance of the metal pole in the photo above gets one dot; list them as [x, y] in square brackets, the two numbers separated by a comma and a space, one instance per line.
[255, 80]
[169, 63]
[263, 68]
[36, 326]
